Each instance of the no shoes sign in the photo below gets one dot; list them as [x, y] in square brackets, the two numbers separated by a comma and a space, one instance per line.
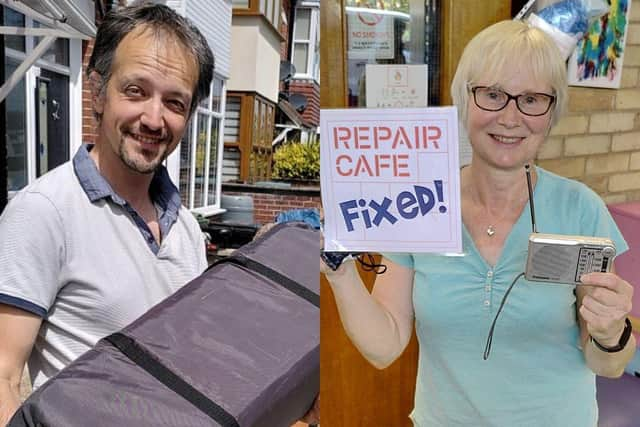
[390, 180]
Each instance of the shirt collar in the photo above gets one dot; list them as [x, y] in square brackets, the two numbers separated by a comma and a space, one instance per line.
[162, 190]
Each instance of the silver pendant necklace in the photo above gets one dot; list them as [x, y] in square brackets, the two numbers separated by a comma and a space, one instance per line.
[491, 231]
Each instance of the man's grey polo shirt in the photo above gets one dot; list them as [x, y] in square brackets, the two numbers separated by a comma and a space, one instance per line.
[76, 254]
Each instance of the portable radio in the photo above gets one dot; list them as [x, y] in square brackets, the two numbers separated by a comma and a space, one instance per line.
[561, 258]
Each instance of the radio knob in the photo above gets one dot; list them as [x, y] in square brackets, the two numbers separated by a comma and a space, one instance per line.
[608, 251]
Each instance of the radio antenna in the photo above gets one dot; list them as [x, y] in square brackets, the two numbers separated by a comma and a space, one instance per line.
[533, 211]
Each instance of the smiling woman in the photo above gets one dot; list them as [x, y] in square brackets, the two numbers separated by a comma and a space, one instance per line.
[450, 301]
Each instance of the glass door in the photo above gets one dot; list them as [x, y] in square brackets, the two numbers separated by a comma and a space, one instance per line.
[52, 122]
[392, 33]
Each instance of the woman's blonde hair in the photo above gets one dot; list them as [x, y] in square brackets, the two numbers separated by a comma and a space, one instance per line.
[501, 45]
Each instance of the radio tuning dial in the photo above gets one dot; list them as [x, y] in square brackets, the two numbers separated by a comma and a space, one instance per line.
[608, 251]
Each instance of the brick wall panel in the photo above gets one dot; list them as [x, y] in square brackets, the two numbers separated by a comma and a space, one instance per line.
[615, 198]
[608, 163]
[632, 56]
[624, 182]
[587, 144]
[552, 148]
[633, 34]
[626, 141]
[632, 195]
[572, 167]
[612, 122]
[629, 77]
[634, 14]
[570, 125]
[586, 99]
[88, 122]
[267, 206]
[598, 184]
[634, 161]
[628, 99]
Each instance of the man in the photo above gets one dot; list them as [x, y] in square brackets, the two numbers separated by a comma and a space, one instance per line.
[95, 243]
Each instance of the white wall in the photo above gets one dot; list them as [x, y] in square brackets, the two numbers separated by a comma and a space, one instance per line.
[213, 19]
[255, 57]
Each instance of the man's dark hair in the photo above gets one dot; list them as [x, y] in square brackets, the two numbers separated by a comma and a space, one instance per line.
[160, 19]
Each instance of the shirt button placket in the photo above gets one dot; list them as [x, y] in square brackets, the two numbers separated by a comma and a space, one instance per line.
[487, 289]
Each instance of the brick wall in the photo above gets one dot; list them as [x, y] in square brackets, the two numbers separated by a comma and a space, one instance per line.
[598, 140]
[268, 202]
[311, 90]
[285, 28]
[88, 123]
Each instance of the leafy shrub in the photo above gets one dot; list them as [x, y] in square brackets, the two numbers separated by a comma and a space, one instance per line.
[295, 160]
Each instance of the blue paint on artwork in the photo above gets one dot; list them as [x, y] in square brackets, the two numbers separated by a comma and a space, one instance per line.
[600, 49]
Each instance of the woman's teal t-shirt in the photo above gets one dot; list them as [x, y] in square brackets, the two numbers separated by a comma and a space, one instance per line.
[536, 374]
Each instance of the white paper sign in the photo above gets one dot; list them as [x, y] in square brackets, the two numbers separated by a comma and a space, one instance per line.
[390, 180]
[370, 35]
[396, 86]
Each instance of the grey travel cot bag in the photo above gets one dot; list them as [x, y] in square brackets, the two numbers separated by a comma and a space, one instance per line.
[237, 346]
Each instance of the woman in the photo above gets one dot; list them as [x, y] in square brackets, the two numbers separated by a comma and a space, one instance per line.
[510, 88]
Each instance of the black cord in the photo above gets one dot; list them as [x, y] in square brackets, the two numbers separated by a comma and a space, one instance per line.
[370, 264]
[487, 347]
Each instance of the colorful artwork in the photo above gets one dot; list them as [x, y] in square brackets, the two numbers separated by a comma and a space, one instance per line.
[597, 60]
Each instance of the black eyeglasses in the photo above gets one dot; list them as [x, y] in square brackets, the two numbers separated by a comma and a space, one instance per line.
[531, 104]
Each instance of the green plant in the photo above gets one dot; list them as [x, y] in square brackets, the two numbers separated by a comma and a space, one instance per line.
[295, 160]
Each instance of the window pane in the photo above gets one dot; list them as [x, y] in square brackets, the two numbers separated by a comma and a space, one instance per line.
[16, 138]
[201, 157]
[58, 52]
[276, 14]
[303, 24]
[213, 161]
[240, 4]
[51, 121]
[387, 33]
[204, 103]
[185, 167]
[269, 12]
[263, 6]
[14, 19]
[300, 52]
[316, 60]
[216, 94]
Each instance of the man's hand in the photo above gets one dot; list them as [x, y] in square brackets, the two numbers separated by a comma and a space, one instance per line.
[605, 306]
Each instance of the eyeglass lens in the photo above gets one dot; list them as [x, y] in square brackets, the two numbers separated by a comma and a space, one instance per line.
[533, 104]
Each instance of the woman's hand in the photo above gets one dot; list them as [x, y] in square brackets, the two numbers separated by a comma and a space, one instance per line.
[605, 306]
[342, 268]
[313, 415]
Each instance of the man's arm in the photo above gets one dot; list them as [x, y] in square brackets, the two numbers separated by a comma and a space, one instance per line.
[18, 331]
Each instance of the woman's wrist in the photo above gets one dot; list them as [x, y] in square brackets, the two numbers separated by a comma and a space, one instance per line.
[615, 342]
[344, 272]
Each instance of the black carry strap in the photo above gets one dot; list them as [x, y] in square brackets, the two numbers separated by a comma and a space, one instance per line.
[274, 276]
[159, 371]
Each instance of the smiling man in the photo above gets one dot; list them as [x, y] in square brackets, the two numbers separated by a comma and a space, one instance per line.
[95, 243]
